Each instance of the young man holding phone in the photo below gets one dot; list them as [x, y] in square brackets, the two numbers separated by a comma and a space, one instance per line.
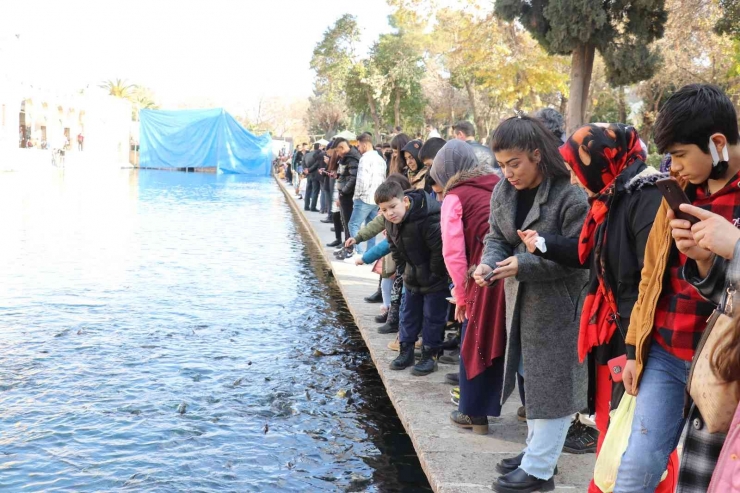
[698, 127]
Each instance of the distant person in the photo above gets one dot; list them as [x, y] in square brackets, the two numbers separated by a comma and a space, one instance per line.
[432, 132]
[465, 131]
[370, 175]
[313, 160]
[80, 141]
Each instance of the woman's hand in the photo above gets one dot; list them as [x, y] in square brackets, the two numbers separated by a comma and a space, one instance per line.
[529, 238]
[628, 377]
[506, 268]
[480, 272]
[713, 232]
[682, 234]
[460, 313]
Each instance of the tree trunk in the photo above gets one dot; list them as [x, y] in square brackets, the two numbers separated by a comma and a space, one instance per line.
[477, 118]
[563, 104]
[374, 113]
[621, 105]
[397, 108]
[581, 67]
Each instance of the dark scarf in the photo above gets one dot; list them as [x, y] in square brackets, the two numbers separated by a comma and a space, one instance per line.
[597, 154]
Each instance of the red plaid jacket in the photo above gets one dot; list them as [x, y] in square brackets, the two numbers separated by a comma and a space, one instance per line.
[681, 314]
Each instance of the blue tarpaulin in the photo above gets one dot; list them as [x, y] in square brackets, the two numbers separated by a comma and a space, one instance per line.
[201, 139]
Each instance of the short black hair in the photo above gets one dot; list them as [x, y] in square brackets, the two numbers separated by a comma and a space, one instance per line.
[430, 148]
[528, 134]
[692, 115]
[365, 137]
[398, 129]
[553, 120]
[316, 146]
[387, 191]
[465, 127]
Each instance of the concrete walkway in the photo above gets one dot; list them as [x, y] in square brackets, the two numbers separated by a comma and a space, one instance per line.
[454, 460]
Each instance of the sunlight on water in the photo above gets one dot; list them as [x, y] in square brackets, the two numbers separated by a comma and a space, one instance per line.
[159, 333]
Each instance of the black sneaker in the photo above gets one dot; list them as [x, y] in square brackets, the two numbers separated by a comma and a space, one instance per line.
[405, 357]
[518, 481]
[334, 244]
[452, 378]
[581, 439]
[427, 364]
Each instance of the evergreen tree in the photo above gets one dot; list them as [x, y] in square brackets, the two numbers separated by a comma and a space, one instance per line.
[621, 30]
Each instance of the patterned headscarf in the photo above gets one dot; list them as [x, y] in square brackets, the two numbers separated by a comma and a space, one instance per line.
[597, 154]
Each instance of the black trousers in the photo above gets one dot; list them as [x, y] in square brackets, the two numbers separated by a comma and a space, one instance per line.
[313, 187]
[338, 227]
[346, 204]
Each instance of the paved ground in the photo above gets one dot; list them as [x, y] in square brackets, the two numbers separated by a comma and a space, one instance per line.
[455, 460]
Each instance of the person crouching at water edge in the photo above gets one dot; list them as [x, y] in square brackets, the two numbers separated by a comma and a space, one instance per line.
[542, 297]
[413, 230]
[466, 185]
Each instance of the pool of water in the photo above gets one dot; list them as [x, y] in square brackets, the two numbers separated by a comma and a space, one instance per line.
[166, 331]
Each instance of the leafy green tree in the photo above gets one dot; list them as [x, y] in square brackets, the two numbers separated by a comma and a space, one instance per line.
[364, 86]
[621, 30]
[333, 57]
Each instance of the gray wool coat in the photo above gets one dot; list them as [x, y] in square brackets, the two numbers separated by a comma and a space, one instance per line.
[543, 302]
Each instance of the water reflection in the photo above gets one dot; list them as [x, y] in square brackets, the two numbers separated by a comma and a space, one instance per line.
[169, 332]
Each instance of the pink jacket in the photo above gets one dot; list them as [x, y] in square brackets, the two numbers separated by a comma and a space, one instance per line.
[453, 245]
[726, 477]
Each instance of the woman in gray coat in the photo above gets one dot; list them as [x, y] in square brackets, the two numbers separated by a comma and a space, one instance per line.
[543, 299]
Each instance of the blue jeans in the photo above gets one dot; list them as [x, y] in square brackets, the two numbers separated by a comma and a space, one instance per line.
[386, 285]
[658, 422]
[545, 440]
[424, 314]
[362, 212]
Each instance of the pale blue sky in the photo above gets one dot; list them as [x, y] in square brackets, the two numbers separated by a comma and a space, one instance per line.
[225, 50]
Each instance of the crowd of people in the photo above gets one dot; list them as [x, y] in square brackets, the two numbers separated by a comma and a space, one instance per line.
[570, 269]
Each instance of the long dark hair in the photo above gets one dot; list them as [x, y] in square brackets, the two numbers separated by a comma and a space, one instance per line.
[528, 135]
[333, 162]
[398, 162]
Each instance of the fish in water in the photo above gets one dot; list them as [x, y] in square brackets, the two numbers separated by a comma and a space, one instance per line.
[266, 428]
[182, 408]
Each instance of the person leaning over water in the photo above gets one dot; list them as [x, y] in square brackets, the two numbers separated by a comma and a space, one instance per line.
[608, 162]
[465, 186]
[542, 297]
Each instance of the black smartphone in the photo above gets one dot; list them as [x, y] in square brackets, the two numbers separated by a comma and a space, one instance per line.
[675, 196]
[489, 276]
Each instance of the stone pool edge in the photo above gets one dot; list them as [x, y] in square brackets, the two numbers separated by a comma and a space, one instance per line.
[454, 460]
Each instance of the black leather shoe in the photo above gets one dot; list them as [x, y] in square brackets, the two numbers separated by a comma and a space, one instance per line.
[405, 357]
[512, 464]
[332, 229]
[314, 210]
[376, 297]
[519, 481]
[427, 364]
[388, 328]
[452, 358]
[381, 319]
[327, 221]
[334, 243]
[452, 378]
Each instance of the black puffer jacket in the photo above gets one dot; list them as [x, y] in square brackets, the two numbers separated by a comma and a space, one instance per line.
[348, 178]
[416, 244]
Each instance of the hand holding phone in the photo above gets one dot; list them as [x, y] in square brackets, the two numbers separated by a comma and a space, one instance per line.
[675, 196]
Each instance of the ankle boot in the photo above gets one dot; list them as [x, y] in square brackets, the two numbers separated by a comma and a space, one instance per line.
[427, 364]
[405, 357]
[388, 328]
[479, 424]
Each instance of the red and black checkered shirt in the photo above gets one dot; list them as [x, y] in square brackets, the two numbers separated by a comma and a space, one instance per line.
[681, 314]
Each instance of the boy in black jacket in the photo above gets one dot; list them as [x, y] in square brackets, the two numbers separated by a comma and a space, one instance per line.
[415, 238]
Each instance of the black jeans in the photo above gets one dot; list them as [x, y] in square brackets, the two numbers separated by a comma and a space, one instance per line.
[338, 227]
[312, 193]
[346, 204]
